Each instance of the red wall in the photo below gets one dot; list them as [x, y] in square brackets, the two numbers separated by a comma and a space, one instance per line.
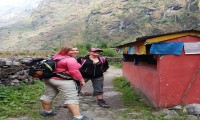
[144, 78]
[165, 84]
[176, 74]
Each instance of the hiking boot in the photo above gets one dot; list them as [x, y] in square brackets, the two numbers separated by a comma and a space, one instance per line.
[103, 104]
[45, 114]
[80, 93]
[83, 118]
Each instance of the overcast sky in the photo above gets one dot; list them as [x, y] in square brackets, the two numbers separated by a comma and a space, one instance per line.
[13, 3]
[7, 5]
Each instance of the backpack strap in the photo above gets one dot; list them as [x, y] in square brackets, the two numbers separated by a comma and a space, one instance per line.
[60, 59]
[103, 60]
[63, 75]
[56, 60]
[82, 61]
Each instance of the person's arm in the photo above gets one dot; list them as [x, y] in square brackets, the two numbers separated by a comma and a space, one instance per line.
[105, 66]
[83, 67]
[73, 69]
[82, 81]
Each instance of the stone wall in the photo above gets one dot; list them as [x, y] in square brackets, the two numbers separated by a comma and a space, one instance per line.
[116, 59]
[15, 70]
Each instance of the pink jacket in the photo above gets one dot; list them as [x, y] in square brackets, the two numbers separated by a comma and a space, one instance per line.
[70, 65]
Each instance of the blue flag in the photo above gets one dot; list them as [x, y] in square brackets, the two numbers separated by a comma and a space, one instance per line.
[170, 48]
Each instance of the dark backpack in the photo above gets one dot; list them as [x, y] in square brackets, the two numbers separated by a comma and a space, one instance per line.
[45, 68]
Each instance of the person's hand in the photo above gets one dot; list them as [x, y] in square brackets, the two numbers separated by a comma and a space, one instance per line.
[82, 83]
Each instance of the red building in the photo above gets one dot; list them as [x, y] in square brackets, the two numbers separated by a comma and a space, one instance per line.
[165, 68]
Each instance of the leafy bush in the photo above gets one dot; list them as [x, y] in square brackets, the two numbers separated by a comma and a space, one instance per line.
[82, 49]
[103, 45]
[110, 52]
[82, 52]
[88, 46]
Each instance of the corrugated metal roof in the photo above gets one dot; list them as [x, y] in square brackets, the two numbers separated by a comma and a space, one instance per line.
[144, 38]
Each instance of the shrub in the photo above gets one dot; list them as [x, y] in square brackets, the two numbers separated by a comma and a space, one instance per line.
[110, 53]
[103, 45]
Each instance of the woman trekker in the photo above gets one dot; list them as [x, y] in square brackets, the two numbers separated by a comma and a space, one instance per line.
[93, 67]
[75, 49]
[68, 89]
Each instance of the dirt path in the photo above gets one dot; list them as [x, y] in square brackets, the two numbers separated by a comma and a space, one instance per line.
[88, 103]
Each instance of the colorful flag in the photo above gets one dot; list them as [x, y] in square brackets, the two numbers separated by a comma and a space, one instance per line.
[170, 48]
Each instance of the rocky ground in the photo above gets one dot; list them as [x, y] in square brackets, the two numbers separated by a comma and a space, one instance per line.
[88, 102]
[112, 97]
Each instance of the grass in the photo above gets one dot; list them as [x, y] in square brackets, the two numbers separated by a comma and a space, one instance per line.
[23, 100]
[129, 98]
[133, 103]
[116, 64]
[39, 53]
[16, 101]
